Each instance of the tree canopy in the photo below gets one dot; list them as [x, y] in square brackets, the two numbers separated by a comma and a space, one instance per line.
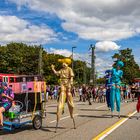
[20, 58]
[131, 69]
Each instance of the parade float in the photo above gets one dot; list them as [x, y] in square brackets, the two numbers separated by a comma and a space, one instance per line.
[29, 104]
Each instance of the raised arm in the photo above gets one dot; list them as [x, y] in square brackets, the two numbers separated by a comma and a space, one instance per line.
[53, 69]
[71, 76]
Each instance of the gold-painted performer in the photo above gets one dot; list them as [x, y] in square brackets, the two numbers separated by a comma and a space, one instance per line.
[66, 81]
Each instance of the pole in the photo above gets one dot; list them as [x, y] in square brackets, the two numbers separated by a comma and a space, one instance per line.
[72, 56]
[84, 75]
[40, 70]
[93, 65]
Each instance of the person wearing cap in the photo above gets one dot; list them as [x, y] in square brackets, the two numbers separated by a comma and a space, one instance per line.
[66, 81]
[117, 74]
[7, 96]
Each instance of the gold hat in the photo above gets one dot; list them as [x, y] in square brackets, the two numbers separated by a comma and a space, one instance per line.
[65, 60]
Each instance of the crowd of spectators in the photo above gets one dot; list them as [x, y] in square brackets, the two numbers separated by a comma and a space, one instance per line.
[97, 94]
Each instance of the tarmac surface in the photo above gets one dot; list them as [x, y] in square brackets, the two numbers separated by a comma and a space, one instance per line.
[92, 122]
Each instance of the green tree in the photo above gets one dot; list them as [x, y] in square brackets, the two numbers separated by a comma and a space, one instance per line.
[101, 80]
[82, 72]
[131, 68]
[20, 58]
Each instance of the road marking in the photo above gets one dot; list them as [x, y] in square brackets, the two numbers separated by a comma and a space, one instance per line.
[109, 130]
[66, 117]
[100, 106]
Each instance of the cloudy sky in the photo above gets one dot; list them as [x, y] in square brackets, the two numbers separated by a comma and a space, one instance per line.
[58, 25]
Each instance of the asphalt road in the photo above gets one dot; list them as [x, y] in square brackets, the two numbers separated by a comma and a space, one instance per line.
[92, 122]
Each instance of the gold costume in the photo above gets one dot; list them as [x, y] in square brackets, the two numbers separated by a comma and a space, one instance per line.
[66, 81]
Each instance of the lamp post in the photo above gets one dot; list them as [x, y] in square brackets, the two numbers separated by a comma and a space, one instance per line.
[72, 55]
[40, 70]
[93, 64]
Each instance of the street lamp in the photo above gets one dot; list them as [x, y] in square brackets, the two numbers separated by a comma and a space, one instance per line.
[93, 64]
[72, 55]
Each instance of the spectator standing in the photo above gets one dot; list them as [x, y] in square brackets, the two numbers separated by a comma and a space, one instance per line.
[80, 93]
[84, 92]
[133, 92]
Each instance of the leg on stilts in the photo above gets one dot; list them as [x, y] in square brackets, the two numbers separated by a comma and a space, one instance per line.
[108, 98]
[112, 114]
[56, 127]
[119, 115]
[112, 99]
[118, 97]
[60, 106]
[74, 123]
[70, 106]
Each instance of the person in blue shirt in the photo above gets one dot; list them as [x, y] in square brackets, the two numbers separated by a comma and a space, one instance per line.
[108, 86]
[117, 74]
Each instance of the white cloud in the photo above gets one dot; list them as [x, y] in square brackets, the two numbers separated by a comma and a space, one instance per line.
[14, 29]
[63, 52]
[93, 19]
[106, 46]
[68, 53]
[102, 65]
[78, 56]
